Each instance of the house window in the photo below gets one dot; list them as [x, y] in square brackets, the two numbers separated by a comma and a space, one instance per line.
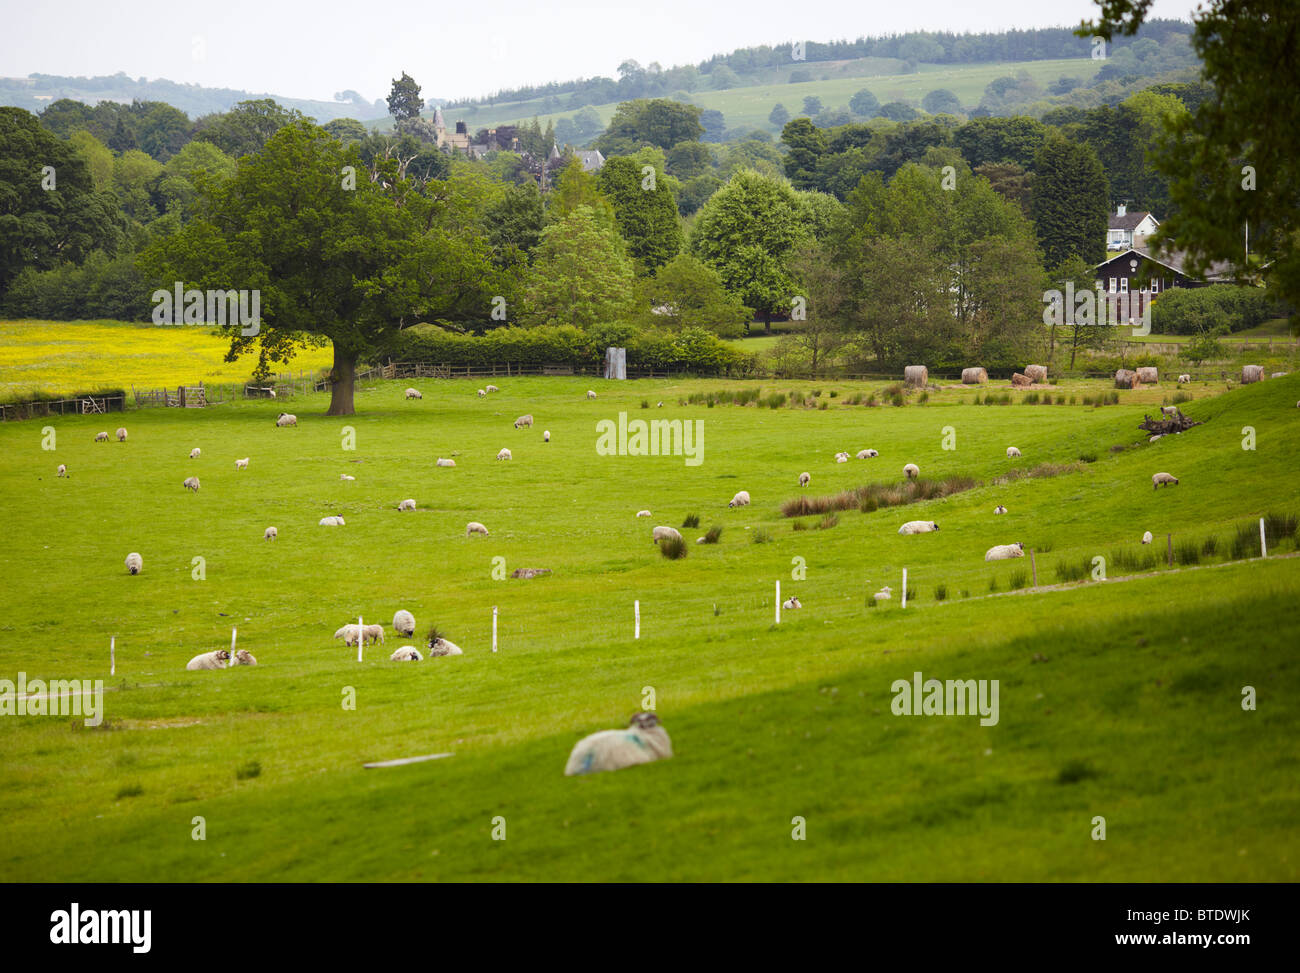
[1123, 285]
[1113, 285]
[1155, 285]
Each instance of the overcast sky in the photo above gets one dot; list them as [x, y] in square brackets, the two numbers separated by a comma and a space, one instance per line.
[312, 50]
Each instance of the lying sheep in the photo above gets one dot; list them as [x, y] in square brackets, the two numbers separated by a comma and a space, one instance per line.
[868, 454]
[445, 462]
[414, 394]
[999, 509]
[244, 658]
[918, 527]
[482, 393]
[440, 647]
[1184, 379]
[210, 660]
[1004, 551]
[805, 479]
[791, 603]
[911, 471]
[1146, 538]
[643, 513]
[134, 563]
[741, 499]
[407, 504]
[1152, 439]
[492, 388]
[101, 437]
[662, 533]
[241, 464]
[504, 454]
[331, 522]
[349, 634]
[404, 623]
[286, 419]
[194, 453]
[590, 394]
[270, 534]
[1166, 479]
[643, 741]
[1012, 452]
[347, 479]
[63, 470]
[191, 483]
[121, 434]
[407, 653]
[884, 594]
[523, 421]
[474, 527]
[546, 436]
[841, 457]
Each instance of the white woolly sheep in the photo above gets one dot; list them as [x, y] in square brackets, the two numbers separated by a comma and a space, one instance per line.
[1165, 479]
[867, 454]
[918, 527]
[286, 419]
[805, 479]
[101, 437]
[884, 594]
[347, 479]
[741, 499]
[407, 653]
[791, 603]
[210, 660]
[349, 634]
[408, 504]
[1012, 452]
[414, 394]
[643, 513]
[404, 622]
[440, 647]
[643, 741]
[331, 522]
[134, 563]
[504, 454]
[121, 434]
[546, 436]
[1152, 439]
[1004, 551]
[482, 393]
[63, 470]
[474, 527]
[590, 394]
[191, 483]
[1169, 410]
[1146, 538]
[270, 534]
[243, 658]
[492, 388]
[664, 533]
[911, 471]
[194, 453]
[522, 421]
[445, 462]
[999, 509]
[242, 464]
[841, 457]
[373, 633]
[1184, 379]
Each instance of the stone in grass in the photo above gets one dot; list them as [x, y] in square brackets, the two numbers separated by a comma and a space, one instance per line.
[529, 572]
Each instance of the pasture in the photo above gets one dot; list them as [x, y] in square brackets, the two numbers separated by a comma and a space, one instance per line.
[1119, 699]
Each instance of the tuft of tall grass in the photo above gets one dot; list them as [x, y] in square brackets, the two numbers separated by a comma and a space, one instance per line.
[673, 548]
[941, 592]
[762, 536]
[876, 495]
[692, 520]
[712, 534]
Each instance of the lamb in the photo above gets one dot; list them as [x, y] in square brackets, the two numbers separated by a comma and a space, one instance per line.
[194, 453]
[191, 483]
[63, 470]
[1004, 551]
[446, 462]
[1166, 479]
[791, 603]
[1184, 379]
[331, 522]
[643, 741]
[244, 658]
[504, 454]
[134, 563]
[911, 471]
[868, 454]
[241, 464]
[741, 499]
[407, 504]
[918, 527]
[1146, 538]
[546, 436]
[101, 437]
[121, 434]
[270, 534]
[474, 527]
[440, 647]
[1012, 452]
[286, 419]
[373, 633]
[805, 479]
[522, 421]
[407, 653]
[841, 457]
[404, 623]
[643, 513]
[662, 533]
[492, 388]
[210, 660]
[884, 594]
[414, 394]
[590, 394]
[349, 634]
[999, 509]
[347, 479]
[482, 393]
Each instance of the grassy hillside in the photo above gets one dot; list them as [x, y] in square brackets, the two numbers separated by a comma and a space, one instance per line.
[1119, 699]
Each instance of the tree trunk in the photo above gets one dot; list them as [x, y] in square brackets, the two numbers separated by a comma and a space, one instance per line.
[343, 381]
[767, 321]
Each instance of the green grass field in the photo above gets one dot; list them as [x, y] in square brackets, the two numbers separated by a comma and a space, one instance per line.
[1119, 699]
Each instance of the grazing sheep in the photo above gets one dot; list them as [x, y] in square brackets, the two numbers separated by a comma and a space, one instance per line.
[407, 653]
[482, 393]
[270, 534]
[446, 462]
[134, 563]
[414, 394]
[999, 509]
[1004, 551]
[1012, 452]
[407, 504]
[524, 421]
[1146, 538]
[286, 419]
[659, 406]
[191, 483]
[244, 658]
[474, 527]
[1167, 479]
[331, 522]
[805, 479]
[101, 437]
[210, 660]
[1169, 410]
[868, 454]
[664, 533]
[643, 741]
[194, 453]
[349, 634]
[121, 434]
[404, 623]
[440, 647]
[918, 527]
[241, 464]
[590, 394]
[841, 457]
[373, 633]
[63, 470]
[504, 454]
[911, 471]
[347, 479]
[492, 388]
[1184, 379]
[741, 499]
[1252, 373]
[643, 513]
[546, 436]
[884, 594]
[791, 603]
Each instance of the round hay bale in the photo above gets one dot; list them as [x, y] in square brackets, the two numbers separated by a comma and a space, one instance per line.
[917, 376]
[1148, 375]
[1036, 374]
[1125, 379]
[1252, 373]
[974, 376]
[1020, 381]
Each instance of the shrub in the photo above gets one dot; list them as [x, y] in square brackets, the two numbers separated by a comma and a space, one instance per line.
[1018, 580]
[1210, 546]
[775, 400]
[1088, 457]
[941, 592]
[1186, 310]
[645, 403]
[875, 495]
[829, 521]
[692, 520]
[798, 525]
[1030, 399]
[911, 592]
[1187, 552]
[1076, 571]
[925, 397]
[761, 536]
[712, 534]
[673, 548]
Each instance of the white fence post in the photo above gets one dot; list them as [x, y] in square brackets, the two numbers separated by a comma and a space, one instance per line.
[494, 628]
[112, 655]
[636, 611]
[904, 587]
[1263, 545]
[361, 637]
[778, 601]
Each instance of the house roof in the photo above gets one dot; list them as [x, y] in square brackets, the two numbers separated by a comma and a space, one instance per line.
[590, 160]
[1129, 221]
[1218, 272]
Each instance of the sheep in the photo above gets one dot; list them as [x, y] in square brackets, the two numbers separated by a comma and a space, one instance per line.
[194, 453]
[1158, 435]
[918, 527]
[349, 634]
[659, 406]
[446, 462]
[525, 420]
[373, 633]
[347, 479]
[884, 594]
[242, 464]
[474, 527]
[331, 522]
[191, 483]
[546, 436]
[805, 479]
[407, 504]
[210, 660]
[134, 563]
[1146, 538]
[662, 533]
[482, 393]
[286, 419]
[121, 434]
[1004, 551]
[741, 499]
[791, 603]
[1169, 410]
[492, 388]
[63, 470]
[504, 454]
[244, 658]
[643, 513]
[1163, 478]
[911, 471]
[440, 647]
[101, 437]
[868, 454]
[643, 741]
[414, 394]
[407, 653]
[1184, 379]
[999, 509]
[841, 457]
[590, 394]
[404, 623]
[270, 534]
[1012, 452]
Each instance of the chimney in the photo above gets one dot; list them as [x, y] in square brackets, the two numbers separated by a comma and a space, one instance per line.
[1121, 209]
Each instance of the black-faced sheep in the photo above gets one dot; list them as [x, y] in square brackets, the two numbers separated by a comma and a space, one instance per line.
[1163, 479]
[191, 483]
[911, 471]
[134, 563]
[741, 499]
[404, 623]
[643, 741]
[210, 660]
[918, 527]
[1003, 552]
[121, 434]
[270, 534]
[286, 419]
[474, 527]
